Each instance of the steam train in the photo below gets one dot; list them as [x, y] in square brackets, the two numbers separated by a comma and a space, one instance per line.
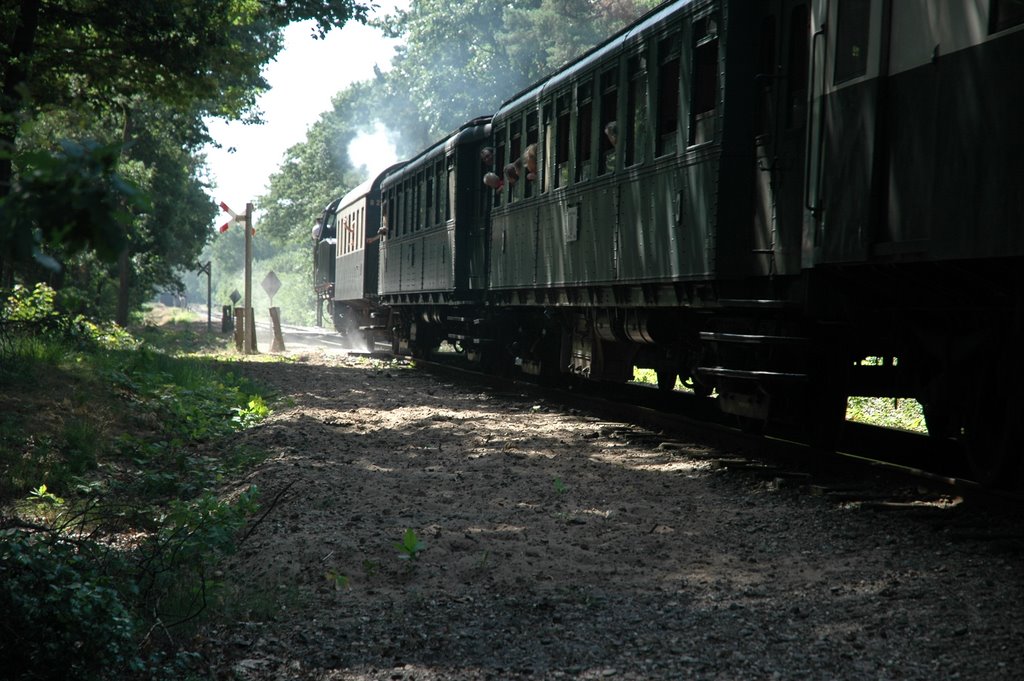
[781, 202]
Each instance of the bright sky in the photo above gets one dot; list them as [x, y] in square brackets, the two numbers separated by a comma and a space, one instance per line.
[306, 75]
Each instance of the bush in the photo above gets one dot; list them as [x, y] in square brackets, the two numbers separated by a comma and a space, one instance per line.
[61, 619]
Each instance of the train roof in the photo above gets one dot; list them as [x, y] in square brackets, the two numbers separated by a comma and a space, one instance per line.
[446, 143]
[596, 54]
[360, 192]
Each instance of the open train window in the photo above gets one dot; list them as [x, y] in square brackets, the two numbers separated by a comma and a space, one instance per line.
[608, 133]
[400, 213]
[636, 111]
[704, 91]
[562, 142]
[450, 186]
[499, 163]
[1004, 14]
[852, 32]
[439, 192]
[419, 203]
[668, 95]
[549, 141]
[515, 151]
[531, 156]
[584, 129]
[428, 195]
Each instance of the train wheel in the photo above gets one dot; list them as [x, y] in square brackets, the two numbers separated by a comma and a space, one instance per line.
[667, 379]
[992, 436]
[825, 409]
[699, 389]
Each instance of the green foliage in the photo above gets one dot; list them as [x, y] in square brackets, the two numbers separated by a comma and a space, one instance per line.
[138, 80]
[559, 486]
[71, 200]
[341, 582]
[410, 547]
[63, 617]
[43, 496]
[905, 414]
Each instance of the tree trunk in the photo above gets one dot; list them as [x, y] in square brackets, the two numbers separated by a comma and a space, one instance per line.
[15, 74]
[124, 277]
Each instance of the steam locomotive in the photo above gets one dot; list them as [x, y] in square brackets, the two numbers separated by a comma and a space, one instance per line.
[781, 202]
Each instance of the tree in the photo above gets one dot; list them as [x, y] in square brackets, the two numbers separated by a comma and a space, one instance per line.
[194, 57]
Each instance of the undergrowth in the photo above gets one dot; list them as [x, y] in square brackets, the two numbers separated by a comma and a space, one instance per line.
[112, 452]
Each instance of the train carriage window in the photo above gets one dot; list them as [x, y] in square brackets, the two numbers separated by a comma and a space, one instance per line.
[608, 134]
[704, 91]
[417, 201]
[668, 95]
[636, 111]
[346, 240]
[400, 213]
[514, 171]
[549, 142]
[1004, 14]
[450, 184]
[584, 130]
[796, 67]
[531, 156]
[499, 163]
[852, 39]
[407, 205]
[562, 141]
[438, 192]
[425, 189]
[429, 215]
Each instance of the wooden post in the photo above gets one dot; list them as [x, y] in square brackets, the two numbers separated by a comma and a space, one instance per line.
[249, 344]
[275, 317]
[239, 328]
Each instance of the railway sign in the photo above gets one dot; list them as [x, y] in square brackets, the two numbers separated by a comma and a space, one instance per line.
[271, 284]
[235, 217]
[235, 296]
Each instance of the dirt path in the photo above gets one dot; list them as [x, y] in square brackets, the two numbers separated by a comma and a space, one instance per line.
[561, 546]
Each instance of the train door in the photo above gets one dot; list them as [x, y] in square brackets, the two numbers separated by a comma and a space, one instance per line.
[846, 145]
[781, 132]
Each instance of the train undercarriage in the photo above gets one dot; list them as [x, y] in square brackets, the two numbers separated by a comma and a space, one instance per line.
[766, 363]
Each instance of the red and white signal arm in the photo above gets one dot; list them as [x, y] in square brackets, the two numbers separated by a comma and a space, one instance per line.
[235, 217]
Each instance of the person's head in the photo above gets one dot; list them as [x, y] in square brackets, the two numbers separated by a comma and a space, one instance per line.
[511, 173]
[530, 161]
[487, 156]
[493, 181]
[612, 131]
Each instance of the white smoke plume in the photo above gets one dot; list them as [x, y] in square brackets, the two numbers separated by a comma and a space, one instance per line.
[373, 150]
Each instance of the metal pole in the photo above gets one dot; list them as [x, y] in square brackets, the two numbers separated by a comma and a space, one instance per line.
[249, 322]
[209, 298]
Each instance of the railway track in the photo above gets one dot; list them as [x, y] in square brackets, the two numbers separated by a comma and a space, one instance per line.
[871, 466]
